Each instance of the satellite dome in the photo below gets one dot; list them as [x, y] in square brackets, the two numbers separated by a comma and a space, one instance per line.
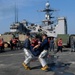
[47, 4]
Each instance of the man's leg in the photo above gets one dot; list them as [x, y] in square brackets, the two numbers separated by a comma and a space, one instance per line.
[28, 58]
[61, 48]
[50, 47]
[53, 47]
[72, 48]
[42, 60]
[58, 49]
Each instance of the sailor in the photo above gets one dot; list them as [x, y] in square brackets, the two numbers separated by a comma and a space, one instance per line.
[14, 41]
[59, 43]
[11, 44]
[35, 46]
[40, 50]
[51, 44]
[1, 44]
[44, 51]
[72, 45]
[28, 54]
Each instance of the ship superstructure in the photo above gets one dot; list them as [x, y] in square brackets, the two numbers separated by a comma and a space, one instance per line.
[20, 27]
[47, 26]
[47, 23]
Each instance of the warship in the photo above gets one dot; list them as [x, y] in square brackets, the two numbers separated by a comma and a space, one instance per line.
[47, 26]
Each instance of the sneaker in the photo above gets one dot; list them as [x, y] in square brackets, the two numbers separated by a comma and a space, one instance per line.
[26, 67]
[45, 68]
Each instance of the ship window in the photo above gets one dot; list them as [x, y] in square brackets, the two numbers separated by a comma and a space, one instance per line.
[34, 28]
[28, 27]
[54, 31]
[39, 30]
[40, 26]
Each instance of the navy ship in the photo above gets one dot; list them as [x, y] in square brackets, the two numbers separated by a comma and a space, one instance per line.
[47, 26]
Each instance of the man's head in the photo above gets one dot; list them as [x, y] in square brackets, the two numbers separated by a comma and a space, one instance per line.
[27, 35]
[44, 36]
[60, 39]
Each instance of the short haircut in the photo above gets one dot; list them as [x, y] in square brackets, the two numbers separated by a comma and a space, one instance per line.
[60, 38]
[28, 34]
[44, 35]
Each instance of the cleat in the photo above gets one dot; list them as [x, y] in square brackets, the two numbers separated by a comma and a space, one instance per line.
[45, 68]
[26, 67]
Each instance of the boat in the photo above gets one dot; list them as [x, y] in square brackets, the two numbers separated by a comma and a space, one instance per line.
[48, 27]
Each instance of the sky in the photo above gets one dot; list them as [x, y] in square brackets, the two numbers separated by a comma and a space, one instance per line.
[27, 9]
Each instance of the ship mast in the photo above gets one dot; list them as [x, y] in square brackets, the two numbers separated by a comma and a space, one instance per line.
[48, 12]
[16, 14]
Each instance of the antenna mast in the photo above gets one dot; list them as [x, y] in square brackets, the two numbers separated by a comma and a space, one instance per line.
[16, 14]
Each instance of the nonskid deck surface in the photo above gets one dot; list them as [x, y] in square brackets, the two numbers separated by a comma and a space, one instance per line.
[59, 63]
